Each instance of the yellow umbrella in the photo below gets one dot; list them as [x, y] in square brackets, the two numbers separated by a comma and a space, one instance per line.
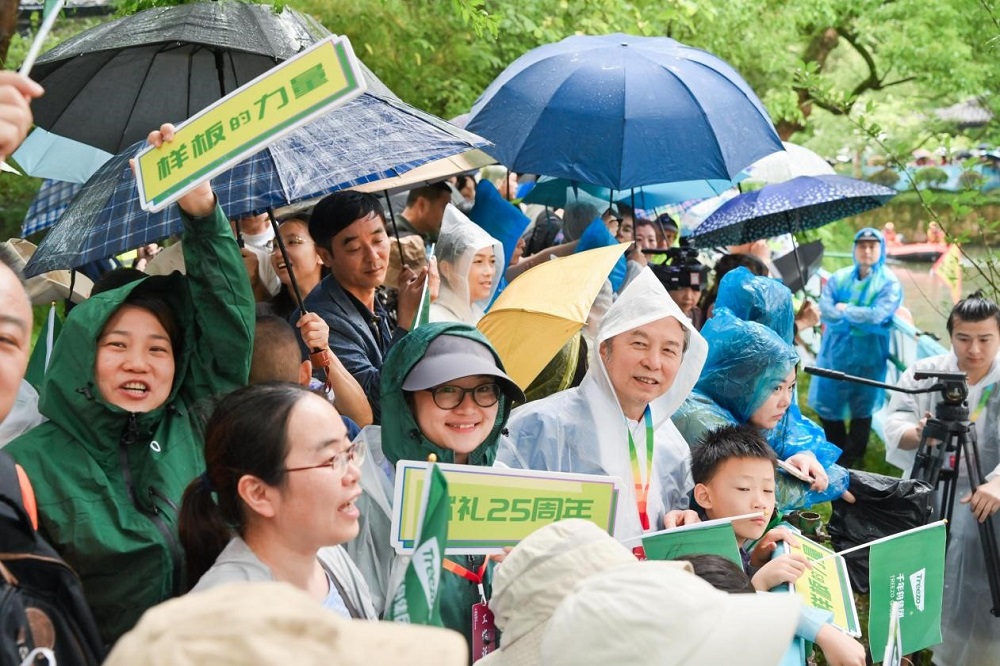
[544, 307]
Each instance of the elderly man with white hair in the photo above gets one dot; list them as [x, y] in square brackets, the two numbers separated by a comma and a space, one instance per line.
[617, 422]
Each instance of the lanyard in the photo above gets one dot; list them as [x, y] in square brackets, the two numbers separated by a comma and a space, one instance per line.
[476, 578]
[642, 491]
[983, 399]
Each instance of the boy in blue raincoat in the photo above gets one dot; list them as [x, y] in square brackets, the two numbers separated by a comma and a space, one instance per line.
[857, 306]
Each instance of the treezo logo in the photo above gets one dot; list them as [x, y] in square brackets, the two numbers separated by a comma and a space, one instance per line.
[917, 580]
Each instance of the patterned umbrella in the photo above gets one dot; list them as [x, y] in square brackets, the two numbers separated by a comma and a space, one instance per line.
[372, 143]
[52, 199]
[806, 202]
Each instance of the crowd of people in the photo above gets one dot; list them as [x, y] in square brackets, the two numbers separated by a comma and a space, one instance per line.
[231, 424]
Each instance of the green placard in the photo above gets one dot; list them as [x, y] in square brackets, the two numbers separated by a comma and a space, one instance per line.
[247, 120]
[713, 537]
[908, 571]
[493, 507]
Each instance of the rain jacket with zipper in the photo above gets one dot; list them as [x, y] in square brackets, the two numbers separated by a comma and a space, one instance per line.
[108, 482]
[856, 339]
[399, 438]
[584, 430]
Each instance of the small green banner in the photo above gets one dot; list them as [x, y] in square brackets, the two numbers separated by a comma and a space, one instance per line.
[418, 599]
[907, 571]
[287, 96]
[493, 507]
[711, 537]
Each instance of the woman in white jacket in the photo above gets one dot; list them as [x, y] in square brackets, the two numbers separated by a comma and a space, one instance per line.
[285, 480]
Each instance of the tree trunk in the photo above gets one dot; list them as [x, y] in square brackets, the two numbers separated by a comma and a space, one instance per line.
[8, 25]
[818, 50]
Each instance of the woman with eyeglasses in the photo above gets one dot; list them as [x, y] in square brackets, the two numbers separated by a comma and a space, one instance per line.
[303, 259]
[444, 392]
[277, 499]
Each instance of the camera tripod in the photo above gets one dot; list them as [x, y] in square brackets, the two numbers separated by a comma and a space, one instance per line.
[946, 439]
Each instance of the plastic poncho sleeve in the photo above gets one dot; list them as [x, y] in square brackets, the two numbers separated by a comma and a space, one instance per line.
[224, 313]
[889, 298]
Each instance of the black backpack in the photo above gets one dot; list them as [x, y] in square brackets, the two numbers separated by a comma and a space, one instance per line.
[41, 598]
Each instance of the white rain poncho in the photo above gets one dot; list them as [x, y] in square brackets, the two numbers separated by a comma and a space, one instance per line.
[459, 241]
[971, 634]
[584, 429]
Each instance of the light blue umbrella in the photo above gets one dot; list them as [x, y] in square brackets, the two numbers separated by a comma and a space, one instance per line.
[47, 155]
[555, 192]
[622, 111]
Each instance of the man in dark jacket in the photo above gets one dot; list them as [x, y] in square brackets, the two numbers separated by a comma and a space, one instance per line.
[350, 235]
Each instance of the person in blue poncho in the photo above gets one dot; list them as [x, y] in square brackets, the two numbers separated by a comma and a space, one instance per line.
[769, 302]
[749, 377]
[857, 306]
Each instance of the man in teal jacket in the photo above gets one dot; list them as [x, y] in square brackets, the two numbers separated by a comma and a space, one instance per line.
[123, 437]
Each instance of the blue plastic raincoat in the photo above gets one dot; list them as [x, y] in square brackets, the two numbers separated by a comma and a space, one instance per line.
[856, 339]
[769, 302]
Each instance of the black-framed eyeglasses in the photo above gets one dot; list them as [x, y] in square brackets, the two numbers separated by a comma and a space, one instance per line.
[355, 453]
[272, 245]
[450, 396]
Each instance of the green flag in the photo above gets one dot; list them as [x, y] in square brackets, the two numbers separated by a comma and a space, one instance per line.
[423, 314]
[42, 353]
[418, 599]
[51, 5]
[908, 570]
[712, 537]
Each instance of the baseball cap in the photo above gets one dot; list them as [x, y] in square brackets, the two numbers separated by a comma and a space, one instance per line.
[450, 357]
[867, 234]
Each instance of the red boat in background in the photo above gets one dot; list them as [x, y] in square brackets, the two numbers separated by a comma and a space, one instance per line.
[916, 252]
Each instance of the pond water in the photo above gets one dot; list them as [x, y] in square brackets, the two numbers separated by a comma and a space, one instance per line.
[928, 298]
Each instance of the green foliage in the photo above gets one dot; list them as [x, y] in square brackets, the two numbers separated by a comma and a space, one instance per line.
[930, 176]
[970, 180]
[886, 177]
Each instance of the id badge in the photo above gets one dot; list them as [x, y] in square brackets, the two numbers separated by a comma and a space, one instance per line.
[484, 631]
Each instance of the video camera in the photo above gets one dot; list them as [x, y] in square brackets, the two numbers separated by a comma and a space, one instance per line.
[682, 270]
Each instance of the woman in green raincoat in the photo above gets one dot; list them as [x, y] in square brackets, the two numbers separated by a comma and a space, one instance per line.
[123, 392]
[444, 392]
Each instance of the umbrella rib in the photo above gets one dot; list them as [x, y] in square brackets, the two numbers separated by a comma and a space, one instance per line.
[135, 100]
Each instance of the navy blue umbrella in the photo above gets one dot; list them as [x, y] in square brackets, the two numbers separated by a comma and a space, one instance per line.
[621, 111]
[802, 203]
[374, 142]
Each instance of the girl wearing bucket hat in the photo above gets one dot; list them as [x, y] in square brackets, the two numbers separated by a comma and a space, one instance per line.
[444, 392]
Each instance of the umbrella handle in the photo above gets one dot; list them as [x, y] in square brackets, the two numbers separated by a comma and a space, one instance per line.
[320, 358]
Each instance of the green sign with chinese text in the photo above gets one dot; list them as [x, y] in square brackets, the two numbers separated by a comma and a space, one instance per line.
[324, 76]
[493, 507]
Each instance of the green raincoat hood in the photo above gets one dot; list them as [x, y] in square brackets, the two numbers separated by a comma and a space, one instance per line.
[401, 438]
[69, 392]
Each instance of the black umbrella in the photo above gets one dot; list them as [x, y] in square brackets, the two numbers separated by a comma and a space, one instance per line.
[808, 258]
[110, 85]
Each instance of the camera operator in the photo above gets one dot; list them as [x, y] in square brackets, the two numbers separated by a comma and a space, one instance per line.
[971, 634]
[683, 277]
